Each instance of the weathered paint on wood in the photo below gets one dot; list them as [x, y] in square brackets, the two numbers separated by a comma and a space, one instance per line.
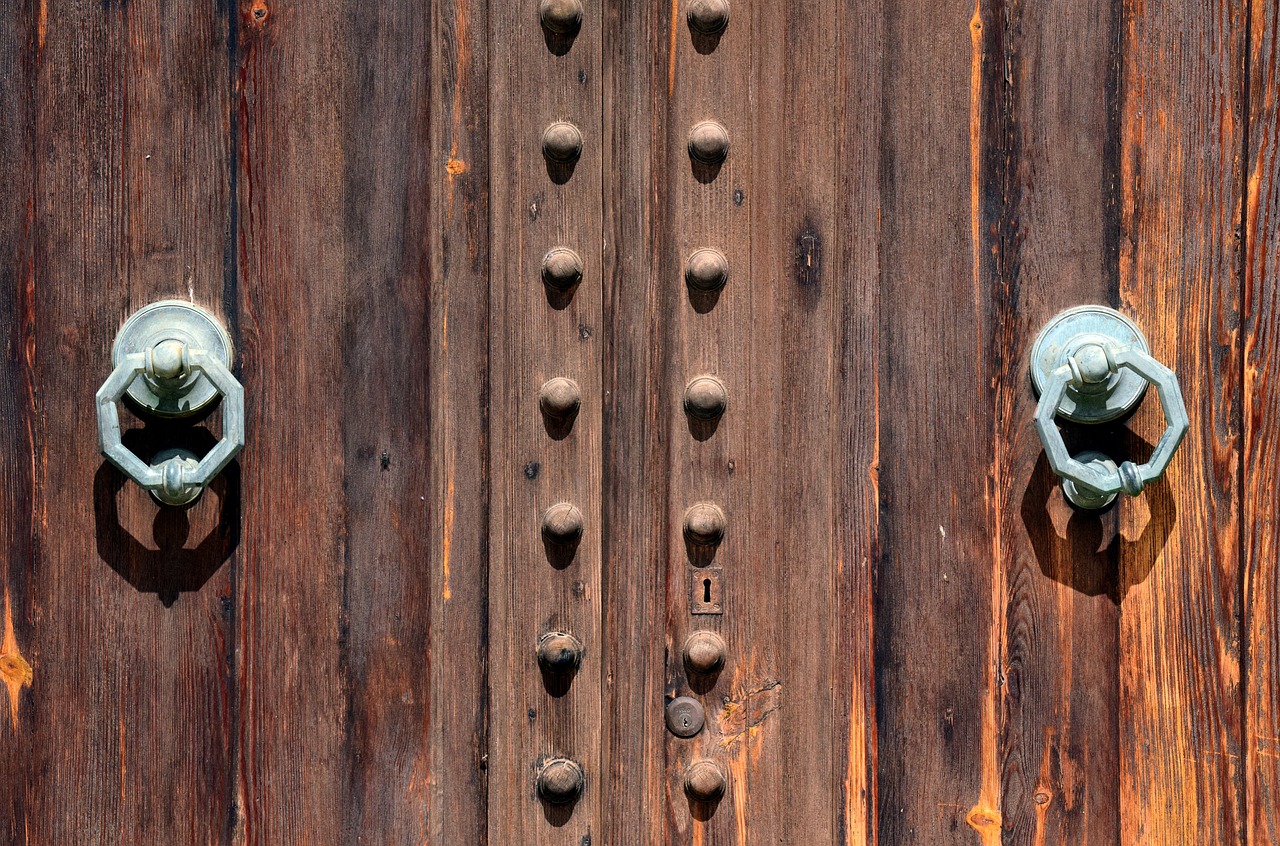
[925, 644]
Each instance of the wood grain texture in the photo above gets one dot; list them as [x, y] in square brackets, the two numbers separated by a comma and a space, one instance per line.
[1050, 135]
[124, 608]
[18, 511]
[939, 618]
[637, 303]
[1182, 132]
[536, 206]
[1260, 312]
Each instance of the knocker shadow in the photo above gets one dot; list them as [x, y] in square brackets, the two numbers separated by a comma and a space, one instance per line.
[1080, 560]
[173, 568]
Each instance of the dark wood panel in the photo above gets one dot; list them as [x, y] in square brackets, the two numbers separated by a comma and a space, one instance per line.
[1260, 309]
[537, 335]
[638, 301]
[939, 618]
[18, 510]
[1182, 125]
[128, 610]
[296, 87]
[1050, 94]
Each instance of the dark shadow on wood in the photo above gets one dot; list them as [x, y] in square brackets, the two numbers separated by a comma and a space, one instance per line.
[173, 568]
[559, 43]
[1080, 560]
[559, 298]
[557, 682]
[705, 43]
[555, 814]
[560, 172]
[560, 555]
[558, 427]
[703, 683]
[703, 810]
[705, 172]
[704, 301]
[702, 430]
[700, 554]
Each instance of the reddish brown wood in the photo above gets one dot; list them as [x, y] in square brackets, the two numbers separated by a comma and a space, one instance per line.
[1260, 312]
[1182, 130]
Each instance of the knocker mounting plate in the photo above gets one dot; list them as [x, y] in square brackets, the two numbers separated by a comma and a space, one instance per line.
[179, 321]
[1066, 333]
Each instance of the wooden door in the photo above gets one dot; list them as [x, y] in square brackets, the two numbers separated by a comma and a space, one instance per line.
[413, 218]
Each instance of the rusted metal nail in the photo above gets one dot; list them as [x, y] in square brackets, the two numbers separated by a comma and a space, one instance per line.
[561, 269]
[705, 653]
[709, 142]
[562, 142]
[560, 781]
[706, 270]
[705, 398]
[704, 781]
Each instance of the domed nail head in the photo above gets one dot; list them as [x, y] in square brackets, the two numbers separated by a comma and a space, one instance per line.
[705, 653]
[559, 653]
[562, 524]
[704, 524]
[705, 398]
[562, 143]
[704, 781]
[706, 270]
[709, 142]
[563, 17]
[561, 269]
[560, 781]
[559, 398]
[709, 17]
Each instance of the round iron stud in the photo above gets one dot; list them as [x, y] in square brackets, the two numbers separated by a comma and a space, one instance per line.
[562, 524]
[560, 398]
[559, 653]
[710, 17]
[563, 17]
[705, 653]
[704, 781]
[705, 398]
[562, 142]
[704, 524]
[561, 269]
[706, 270]
[560, 781]
[709, 142]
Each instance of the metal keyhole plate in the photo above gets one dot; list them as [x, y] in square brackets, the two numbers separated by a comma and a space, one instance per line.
[685, 716]
[1065, 334]
[180, 321]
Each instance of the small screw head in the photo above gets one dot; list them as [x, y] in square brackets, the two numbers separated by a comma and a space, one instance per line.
[709, 16]
[1091, 365]
[559, 398]
[561, 269]
[706, 270]
[709, 142]
[704, 781]
[560, 781]
[562, 142]
[704, 524]
[561, 16]
[705, 653]
[559, 653]
[705, 398]
[562, 524]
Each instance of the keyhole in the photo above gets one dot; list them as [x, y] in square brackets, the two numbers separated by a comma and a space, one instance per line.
[685, 722]
[706, 591]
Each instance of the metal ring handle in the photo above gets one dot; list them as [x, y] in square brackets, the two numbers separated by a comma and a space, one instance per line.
[177, 479]
[1104, 478]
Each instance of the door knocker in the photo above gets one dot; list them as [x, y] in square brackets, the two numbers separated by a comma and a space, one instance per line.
[172, 358]
[1091, 364]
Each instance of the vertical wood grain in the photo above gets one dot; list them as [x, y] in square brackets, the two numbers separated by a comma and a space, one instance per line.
[1181, 764]
[127, 614]
[939, 591]
[855, 406]
[295, 87]
[1051, 135]
[1261, 319]
[536, 337]
[638, 302]
[18, 512]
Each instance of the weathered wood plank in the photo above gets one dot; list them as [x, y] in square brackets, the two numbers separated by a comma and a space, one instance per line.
[127, 610]
[295, 83]
[1050, 87]
[855, 456]
[637, 302]
[1260, 310]
[795, 235]
[539, 334]
[19, 49]
[1182, 132]
[939, 618]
